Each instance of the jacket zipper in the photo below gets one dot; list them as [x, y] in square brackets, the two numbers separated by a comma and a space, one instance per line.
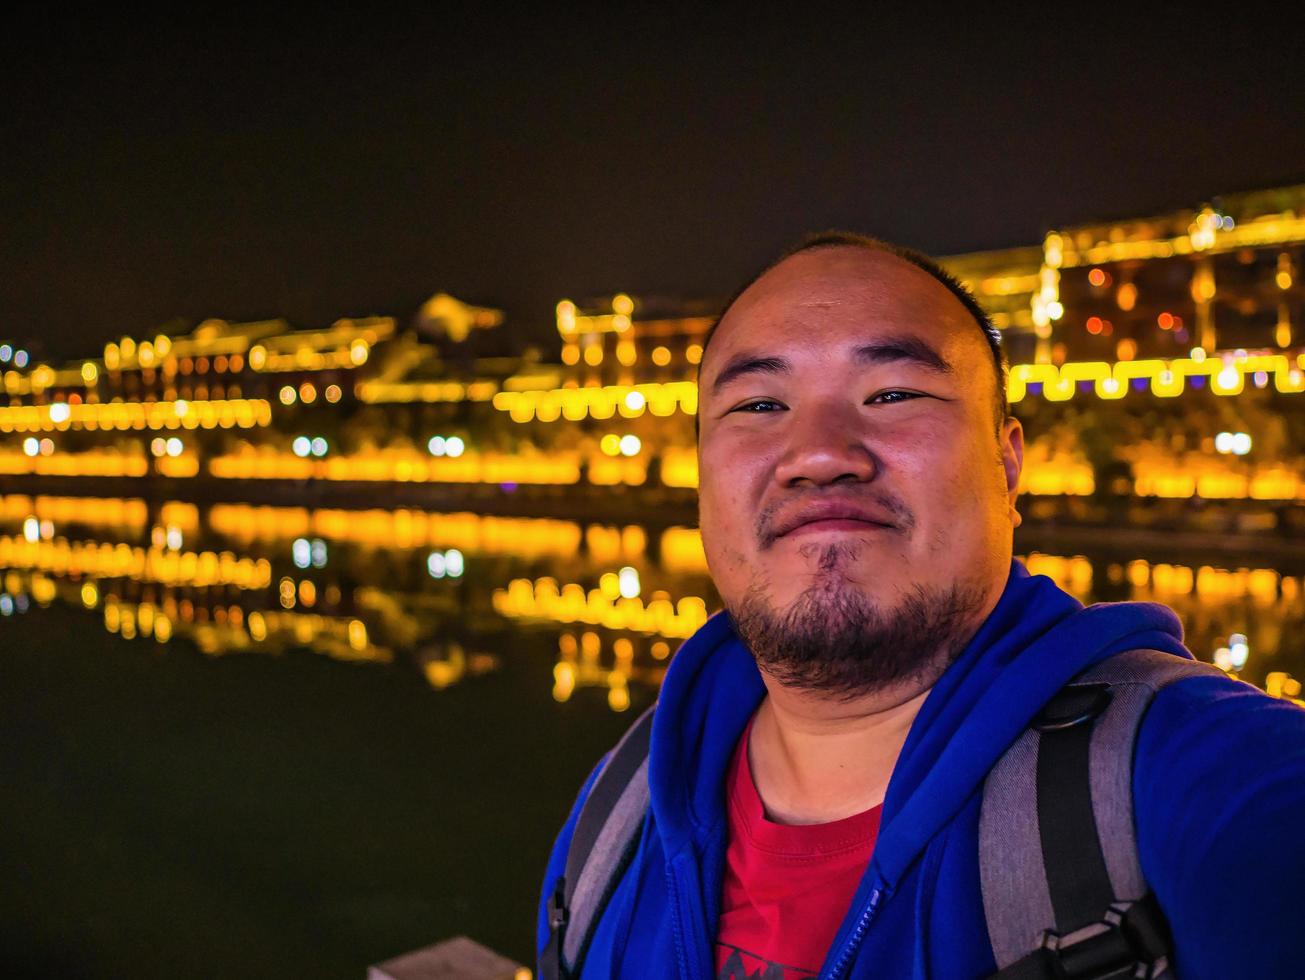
[854, 940]
[676, 925]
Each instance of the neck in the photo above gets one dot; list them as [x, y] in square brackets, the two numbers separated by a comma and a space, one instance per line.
[816, 760]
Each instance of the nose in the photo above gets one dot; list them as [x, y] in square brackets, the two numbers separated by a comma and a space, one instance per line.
[825, 446]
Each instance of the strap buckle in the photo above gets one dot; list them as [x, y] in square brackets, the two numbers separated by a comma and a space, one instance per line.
[1073, 705]
[1126, 943]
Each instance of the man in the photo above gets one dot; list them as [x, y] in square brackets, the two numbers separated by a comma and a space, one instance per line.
[819, 751]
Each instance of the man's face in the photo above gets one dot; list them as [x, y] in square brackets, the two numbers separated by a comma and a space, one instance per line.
[853, 489]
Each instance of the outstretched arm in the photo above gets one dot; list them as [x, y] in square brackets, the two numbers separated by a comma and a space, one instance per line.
[1219, 796]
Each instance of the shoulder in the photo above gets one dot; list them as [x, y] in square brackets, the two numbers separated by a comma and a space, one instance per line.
[1209, 735]
[1206, 721]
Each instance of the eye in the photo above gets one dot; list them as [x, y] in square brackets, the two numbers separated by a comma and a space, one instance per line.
[756, 407]
[893, 401]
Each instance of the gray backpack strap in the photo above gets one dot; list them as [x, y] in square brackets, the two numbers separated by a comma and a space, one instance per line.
[605, 837]
[1063, 890]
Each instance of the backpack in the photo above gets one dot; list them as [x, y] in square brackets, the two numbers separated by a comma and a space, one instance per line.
[1063, 892]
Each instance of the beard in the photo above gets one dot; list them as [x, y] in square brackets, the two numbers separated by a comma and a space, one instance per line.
[835, 641]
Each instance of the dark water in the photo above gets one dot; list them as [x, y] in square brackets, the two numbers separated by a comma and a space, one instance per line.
[326, 747]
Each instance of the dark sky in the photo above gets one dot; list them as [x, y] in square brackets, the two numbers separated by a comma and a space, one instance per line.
[256, 164]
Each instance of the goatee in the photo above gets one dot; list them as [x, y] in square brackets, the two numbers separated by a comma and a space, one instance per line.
[834, 640]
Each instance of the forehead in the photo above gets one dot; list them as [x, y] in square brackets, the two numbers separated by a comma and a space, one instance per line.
[837, 296]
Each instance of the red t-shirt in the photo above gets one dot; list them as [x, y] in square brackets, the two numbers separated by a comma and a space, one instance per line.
[787, 888]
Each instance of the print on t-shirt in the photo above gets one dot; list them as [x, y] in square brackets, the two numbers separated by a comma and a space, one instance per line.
[742, 965]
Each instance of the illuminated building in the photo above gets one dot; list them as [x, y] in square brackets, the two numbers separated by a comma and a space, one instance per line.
[1153, 359]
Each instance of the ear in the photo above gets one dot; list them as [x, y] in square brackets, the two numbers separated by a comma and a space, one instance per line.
[1012, 459]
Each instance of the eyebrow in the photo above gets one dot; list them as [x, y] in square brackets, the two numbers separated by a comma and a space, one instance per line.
[887, 351]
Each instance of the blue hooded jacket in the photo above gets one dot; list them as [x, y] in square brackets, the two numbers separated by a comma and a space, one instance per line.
[1219, 798]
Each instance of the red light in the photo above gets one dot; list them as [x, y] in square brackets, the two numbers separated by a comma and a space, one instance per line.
[1166, 321]
[1094, 324]
[1097, 277]
[1107, 327]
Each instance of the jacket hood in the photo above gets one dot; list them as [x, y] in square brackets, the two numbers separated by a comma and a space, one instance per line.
[1035, 639]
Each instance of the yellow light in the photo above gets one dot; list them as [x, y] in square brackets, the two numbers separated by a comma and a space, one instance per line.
[358, 352]
[1126, 297]
[661, 356]
[90, 595]
[693, 353]
[90, 373]
[1126, 349]
[333, 393]
[565, 317]
[307, 393]
[287, 395]
[622, 304]
[1053, 250]
[1283, 279]
[626, 353]
[611, 444]
[257, 357]
[356, 634]
[610, 585]
[594, 355]
[570, 354]
[1203, 287]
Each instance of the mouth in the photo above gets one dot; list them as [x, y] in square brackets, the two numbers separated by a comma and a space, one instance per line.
[835, 525]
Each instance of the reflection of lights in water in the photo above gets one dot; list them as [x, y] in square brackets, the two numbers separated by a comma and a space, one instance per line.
[442, 564]
[357, 634]
[452, 446]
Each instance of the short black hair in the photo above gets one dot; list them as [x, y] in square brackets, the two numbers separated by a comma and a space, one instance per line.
[849, 239]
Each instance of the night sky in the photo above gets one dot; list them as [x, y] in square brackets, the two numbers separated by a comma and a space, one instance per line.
[256, 165]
